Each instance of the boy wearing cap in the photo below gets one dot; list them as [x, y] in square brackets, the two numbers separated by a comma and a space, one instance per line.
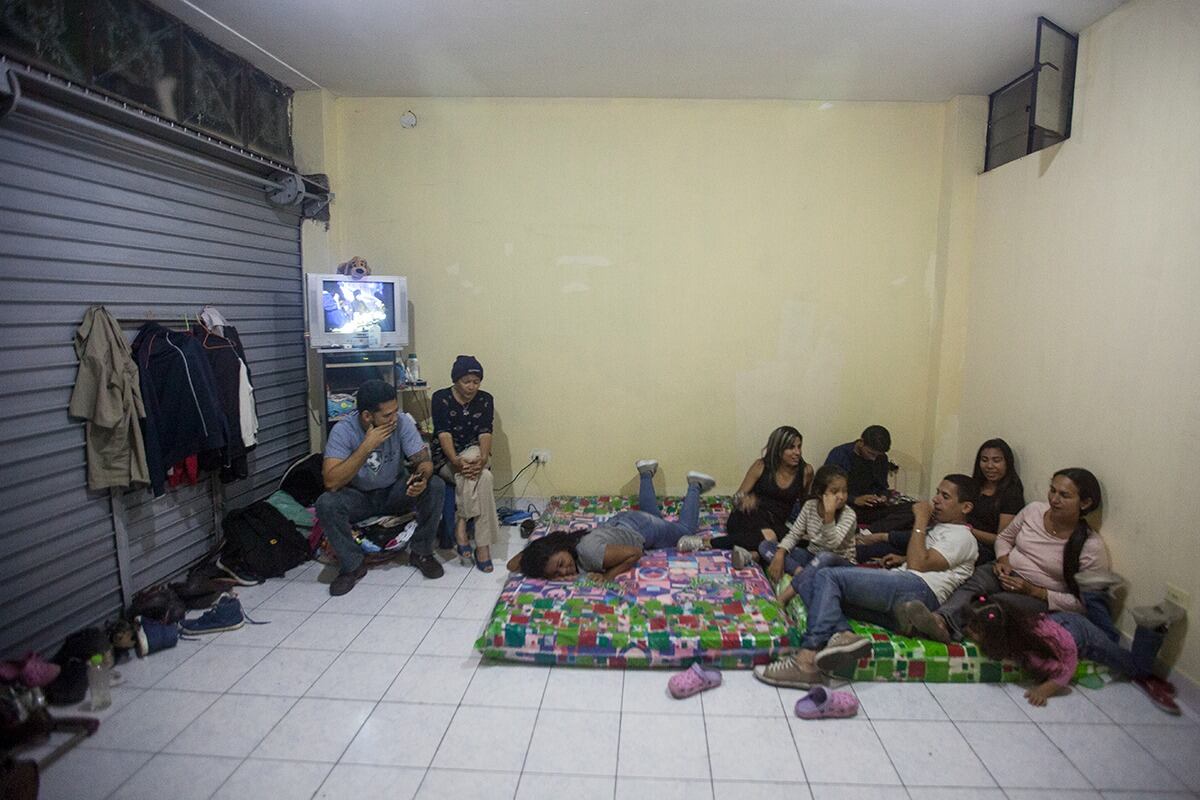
[462, 429]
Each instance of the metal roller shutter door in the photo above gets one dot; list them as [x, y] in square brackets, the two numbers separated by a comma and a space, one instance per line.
[90, 215]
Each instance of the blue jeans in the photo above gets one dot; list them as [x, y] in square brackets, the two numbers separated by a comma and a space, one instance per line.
[1096, 609]
[796, 558]
[1093, 644]
[872, 590]
[658, 532]
[338, 510]
[802, 582]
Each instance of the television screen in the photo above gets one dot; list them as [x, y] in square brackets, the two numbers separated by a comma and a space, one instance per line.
[356, 306]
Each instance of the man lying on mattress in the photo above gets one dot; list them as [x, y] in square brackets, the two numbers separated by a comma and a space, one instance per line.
[615, 547]
[936, 563]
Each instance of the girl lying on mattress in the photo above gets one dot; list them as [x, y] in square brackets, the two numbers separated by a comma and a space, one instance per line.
[614, 547]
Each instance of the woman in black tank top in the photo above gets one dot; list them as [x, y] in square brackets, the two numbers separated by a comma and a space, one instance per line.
[772, 486]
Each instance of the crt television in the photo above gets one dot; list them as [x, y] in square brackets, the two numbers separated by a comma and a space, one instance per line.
[368, 313]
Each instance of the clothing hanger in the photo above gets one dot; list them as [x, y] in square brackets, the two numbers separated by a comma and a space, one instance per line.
[225, 343]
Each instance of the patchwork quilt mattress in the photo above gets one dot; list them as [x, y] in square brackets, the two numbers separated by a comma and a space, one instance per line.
[904, 658]
[672, 610]
[678, 608]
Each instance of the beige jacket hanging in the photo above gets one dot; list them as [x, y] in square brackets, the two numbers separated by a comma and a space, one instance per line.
[108, 396]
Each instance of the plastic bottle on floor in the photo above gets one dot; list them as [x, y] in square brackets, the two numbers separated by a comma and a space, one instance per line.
[98, 683]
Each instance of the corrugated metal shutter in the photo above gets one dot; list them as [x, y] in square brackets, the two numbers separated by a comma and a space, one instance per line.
[87, 217]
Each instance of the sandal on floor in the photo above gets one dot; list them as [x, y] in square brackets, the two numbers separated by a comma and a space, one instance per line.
[820, 703]
[693, 680]
[464, 554]
[484, 566]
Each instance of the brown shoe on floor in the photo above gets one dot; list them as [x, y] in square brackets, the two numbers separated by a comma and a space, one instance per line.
[346, 580]
[844, 649]
[915, 619]
[788, 673]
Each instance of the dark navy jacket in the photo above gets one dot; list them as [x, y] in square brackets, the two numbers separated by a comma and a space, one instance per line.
[183, 414]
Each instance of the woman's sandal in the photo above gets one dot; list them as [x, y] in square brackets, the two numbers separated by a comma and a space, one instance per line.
[693, 680]
[464, 554]
[484, 565]
[820, 703]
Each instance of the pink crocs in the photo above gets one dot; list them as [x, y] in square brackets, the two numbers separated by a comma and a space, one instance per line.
[693, 680]
[820, 703]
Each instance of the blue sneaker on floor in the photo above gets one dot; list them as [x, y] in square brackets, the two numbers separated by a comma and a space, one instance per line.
[225, 615]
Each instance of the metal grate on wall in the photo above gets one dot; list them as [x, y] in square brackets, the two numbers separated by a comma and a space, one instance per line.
[93, 213]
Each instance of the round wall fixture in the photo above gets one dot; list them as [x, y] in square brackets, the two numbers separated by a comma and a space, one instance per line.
[408, 120]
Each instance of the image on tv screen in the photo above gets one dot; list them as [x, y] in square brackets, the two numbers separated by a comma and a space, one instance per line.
[356, 306]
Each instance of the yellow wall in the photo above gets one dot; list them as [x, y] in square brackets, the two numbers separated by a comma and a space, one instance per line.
[659, 278]
[1084, 333]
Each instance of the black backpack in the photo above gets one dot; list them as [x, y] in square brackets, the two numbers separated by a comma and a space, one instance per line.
[262, 540]
[303, 479]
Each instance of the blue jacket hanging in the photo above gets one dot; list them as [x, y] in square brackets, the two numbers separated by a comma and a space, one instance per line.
[183, 414]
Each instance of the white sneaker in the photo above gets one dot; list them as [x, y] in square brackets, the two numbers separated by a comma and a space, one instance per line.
[647, 466]
[688, 544]
[705, 482]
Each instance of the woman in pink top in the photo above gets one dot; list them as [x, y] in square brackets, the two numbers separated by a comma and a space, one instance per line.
[1037, 558]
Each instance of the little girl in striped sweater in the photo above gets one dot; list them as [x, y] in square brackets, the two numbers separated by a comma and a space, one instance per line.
[826, 524]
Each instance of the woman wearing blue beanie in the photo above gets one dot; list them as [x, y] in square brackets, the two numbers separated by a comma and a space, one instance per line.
[462, 430]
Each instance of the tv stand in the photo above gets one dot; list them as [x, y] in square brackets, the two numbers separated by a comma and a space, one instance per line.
[344, 369]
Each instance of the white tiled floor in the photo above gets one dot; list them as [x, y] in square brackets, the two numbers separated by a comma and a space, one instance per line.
[380, 694]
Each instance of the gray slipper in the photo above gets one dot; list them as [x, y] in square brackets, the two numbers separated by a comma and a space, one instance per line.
[1163, 615]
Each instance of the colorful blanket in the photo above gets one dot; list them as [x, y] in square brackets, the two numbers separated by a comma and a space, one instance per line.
[904, 658]
[678, 608]
[672, 610]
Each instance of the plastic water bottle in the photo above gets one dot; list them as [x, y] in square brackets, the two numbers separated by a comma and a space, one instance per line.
[98, 683]
[413, 369]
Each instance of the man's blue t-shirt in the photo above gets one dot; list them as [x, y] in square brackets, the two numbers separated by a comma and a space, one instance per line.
[385, 465]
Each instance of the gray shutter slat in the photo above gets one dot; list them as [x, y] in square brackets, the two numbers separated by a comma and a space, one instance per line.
[92, 219]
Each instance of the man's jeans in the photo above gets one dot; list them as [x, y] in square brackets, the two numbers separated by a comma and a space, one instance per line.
[874, 591]
[338, 510]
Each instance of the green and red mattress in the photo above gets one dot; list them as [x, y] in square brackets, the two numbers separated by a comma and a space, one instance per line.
[673, 609]
[678, 608]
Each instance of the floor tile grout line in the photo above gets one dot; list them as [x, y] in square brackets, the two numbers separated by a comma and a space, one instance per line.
[792, 733]
[620, 727]
[295, 701]
[882, 746]
[377, 703]
[712, 789]
[1161, 764]
[966, 741]
[533, 731]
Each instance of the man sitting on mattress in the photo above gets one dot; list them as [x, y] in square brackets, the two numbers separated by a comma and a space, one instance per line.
[936, 563]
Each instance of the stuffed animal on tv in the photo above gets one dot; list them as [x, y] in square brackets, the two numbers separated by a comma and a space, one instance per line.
[356, 268]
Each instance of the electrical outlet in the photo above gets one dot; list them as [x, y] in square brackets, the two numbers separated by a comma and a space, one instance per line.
[1179, 597]
[540, 456]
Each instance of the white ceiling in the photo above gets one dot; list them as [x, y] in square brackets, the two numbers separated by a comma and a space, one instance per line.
[902, 50]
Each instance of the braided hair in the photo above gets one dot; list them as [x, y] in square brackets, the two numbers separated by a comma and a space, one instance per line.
[1090, 499]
